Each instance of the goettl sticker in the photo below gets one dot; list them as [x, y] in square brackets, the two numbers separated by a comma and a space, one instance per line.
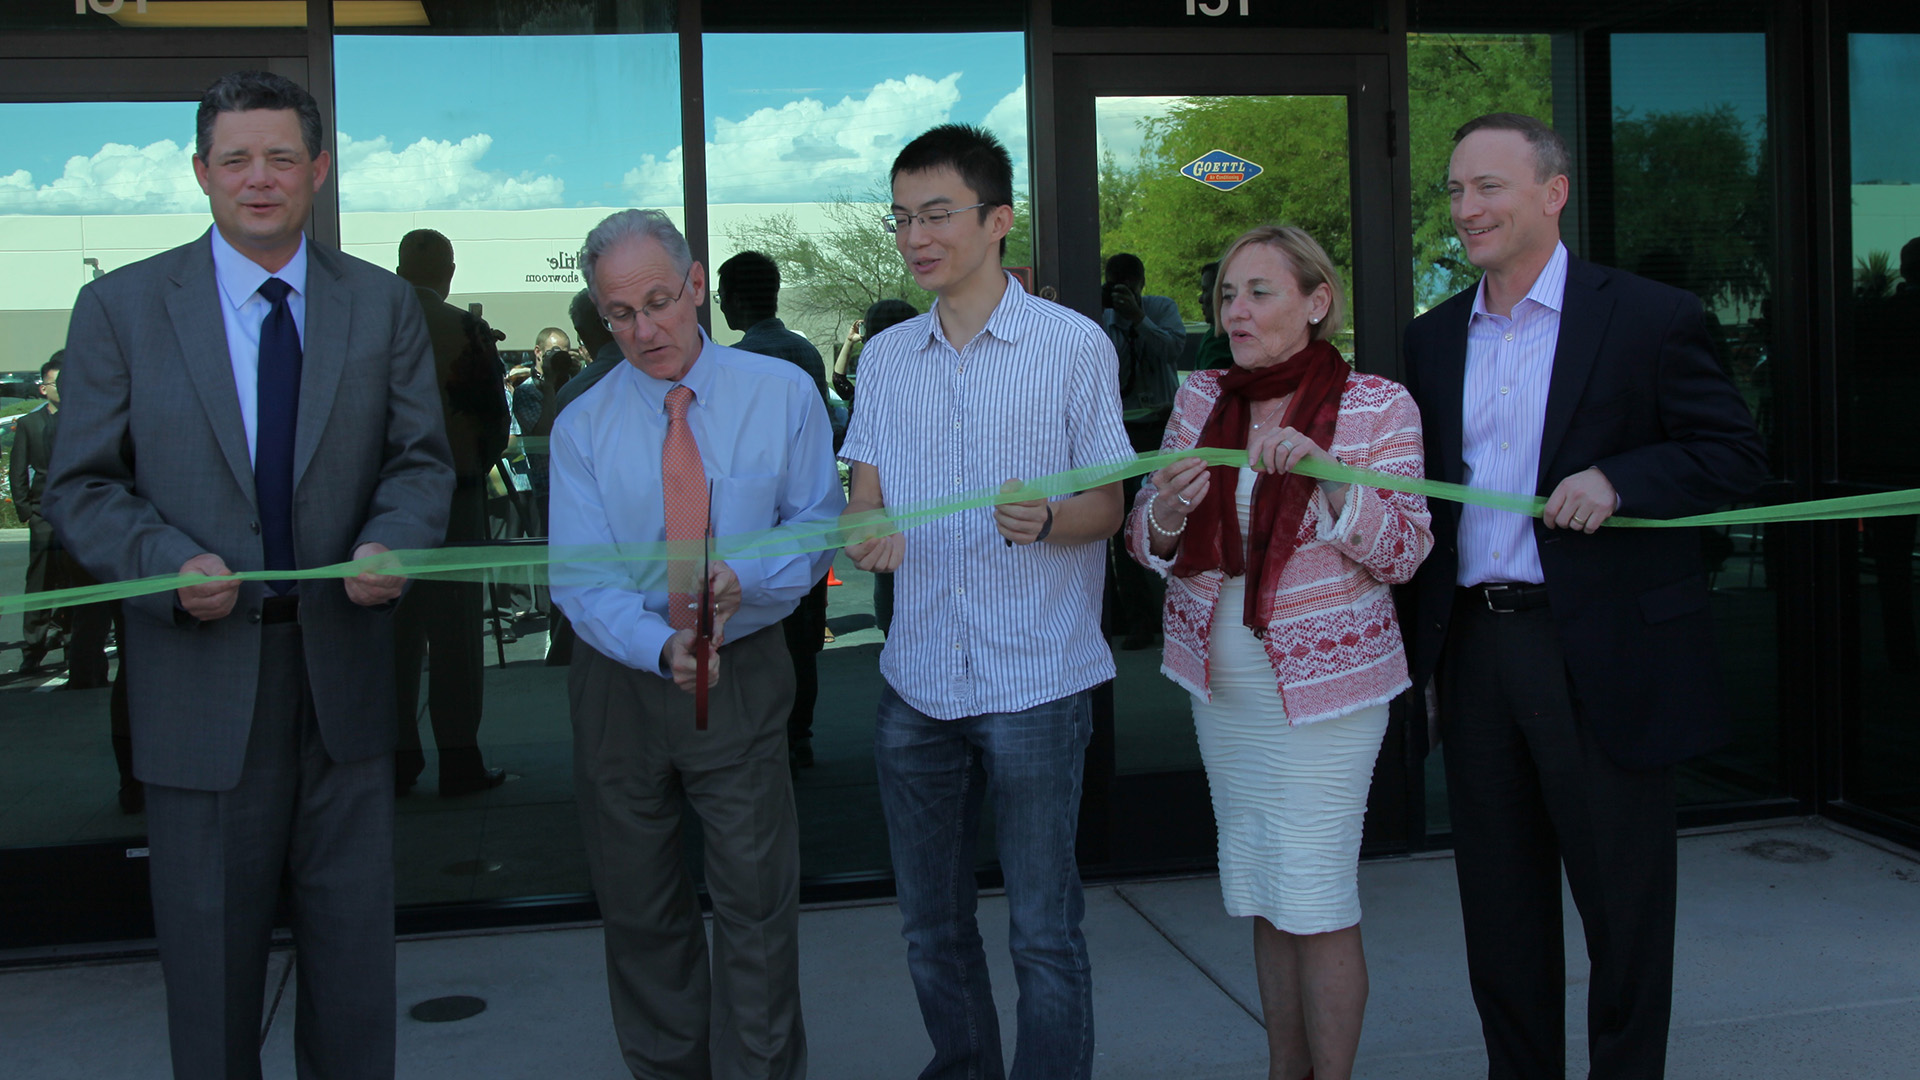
[1220, 170]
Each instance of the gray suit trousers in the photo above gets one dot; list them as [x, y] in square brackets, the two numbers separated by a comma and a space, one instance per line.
[218, 859]
[637, 763]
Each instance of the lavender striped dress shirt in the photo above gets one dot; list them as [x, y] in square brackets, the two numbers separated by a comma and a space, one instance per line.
[1503, 408]
[980, 627]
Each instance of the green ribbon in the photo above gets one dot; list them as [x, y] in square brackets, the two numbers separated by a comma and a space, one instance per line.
[645, 562]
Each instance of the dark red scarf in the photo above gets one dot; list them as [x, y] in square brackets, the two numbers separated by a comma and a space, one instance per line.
[1315, 376]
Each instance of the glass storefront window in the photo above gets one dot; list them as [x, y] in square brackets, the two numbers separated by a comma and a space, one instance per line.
[84, 188]
[512, 133]
[797, 164]
[1878, 377]
[1175, 225]
[801, 135]
[1452, 78]
[1691, 206]
[513, 147]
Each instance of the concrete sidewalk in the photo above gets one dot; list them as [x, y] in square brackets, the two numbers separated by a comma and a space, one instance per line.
[1798, 955]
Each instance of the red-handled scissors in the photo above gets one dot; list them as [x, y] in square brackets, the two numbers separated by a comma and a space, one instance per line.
[703, 631]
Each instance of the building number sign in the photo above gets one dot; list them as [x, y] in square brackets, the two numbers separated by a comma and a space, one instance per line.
[1217, 8]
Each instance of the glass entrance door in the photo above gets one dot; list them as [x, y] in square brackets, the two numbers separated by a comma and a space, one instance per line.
[1168, 159]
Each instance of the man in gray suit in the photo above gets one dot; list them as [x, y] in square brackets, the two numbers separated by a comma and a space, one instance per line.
[250, 401]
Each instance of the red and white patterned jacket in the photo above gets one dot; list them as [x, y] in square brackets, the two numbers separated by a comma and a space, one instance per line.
[1334, 640]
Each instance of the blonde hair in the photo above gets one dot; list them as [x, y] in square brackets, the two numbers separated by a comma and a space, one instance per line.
[1311, 269]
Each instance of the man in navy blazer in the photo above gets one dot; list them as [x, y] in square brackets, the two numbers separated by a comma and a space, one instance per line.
[1574, 665]
[250, 401]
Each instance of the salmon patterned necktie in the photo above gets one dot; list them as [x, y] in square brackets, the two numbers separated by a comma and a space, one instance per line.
[683, 484]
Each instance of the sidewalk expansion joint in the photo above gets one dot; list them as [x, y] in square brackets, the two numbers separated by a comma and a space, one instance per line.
[1120, 891]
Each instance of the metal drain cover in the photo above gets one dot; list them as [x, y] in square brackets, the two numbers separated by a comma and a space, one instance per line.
[443, 1010]
[1786, 851]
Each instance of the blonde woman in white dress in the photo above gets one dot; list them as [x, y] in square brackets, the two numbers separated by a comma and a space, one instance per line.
[1280, 622]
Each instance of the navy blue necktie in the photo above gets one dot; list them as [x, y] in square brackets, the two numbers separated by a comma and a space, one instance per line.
[277, 408]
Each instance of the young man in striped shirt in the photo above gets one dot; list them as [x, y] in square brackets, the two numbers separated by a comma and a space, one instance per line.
[996, 633]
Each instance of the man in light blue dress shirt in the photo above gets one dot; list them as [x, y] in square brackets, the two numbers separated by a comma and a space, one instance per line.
[765, 446]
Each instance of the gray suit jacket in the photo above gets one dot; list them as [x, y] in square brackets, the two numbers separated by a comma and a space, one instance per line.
[152, 468]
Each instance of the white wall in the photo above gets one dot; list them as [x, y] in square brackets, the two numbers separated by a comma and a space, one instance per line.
[516, 263]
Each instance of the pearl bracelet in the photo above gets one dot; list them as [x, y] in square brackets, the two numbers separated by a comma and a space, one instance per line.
[1154, 523]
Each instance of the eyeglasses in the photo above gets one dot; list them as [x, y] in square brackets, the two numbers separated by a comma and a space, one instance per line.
[932, 219]
[654, 309]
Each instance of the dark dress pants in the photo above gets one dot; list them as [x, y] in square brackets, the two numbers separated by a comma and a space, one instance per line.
[87, 639]
[217, 862]
[805, 632]
[1139, 594]
[442, 621]
[560, 638]
[40, 628]
[1530, 792]
[638, 764]
[87, 625]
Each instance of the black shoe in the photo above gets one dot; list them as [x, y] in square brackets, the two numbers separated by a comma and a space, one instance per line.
[487, 780]
[800, 754]
[133, 797]
[407, 767]
[30, 663]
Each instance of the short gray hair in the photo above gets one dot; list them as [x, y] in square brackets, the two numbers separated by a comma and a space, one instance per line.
[633, 225]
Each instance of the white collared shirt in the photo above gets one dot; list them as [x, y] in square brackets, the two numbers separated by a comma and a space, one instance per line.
[980, 627]
[243, 309]
[1503, 411]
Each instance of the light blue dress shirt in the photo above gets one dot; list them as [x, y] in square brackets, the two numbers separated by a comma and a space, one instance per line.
[243, 309]
[766, 446]
[1503, 416]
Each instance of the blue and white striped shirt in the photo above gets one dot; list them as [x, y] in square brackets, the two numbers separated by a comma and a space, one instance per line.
[980, 627]
[1503, 411]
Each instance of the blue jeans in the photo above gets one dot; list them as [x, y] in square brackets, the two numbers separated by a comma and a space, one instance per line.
[934, 776]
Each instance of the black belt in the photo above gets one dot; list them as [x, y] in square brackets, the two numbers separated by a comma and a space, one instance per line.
[280, 609]
[1507, 597]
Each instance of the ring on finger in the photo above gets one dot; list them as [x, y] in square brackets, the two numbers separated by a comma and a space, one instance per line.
[1184, 501]
[1286, 444]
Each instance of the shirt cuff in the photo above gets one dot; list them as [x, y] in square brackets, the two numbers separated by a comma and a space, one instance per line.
[1329, 527]
[650, 640]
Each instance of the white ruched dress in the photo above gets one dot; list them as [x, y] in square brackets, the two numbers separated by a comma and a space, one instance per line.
[1288, 801]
